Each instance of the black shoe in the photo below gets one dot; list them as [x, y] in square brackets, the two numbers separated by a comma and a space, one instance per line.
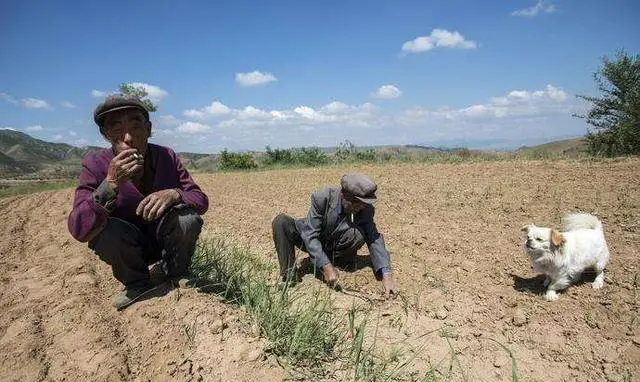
[132, 294]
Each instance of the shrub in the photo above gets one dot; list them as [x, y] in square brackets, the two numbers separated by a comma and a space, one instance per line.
[311, 156]
[236, 161]
[279, 156]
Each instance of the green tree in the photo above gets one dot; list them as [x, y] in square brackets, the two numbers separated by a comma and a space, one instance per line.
[616, 114]
[139, 92]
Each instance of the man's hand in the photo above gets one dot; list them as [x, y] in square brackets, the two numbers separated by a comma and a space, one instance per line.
[390, 289]
[156, 204]
[123, 166]
[330, 275]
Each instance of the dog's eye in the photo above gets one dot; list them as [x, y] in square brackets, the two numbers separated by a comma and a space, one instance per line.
[538, 239]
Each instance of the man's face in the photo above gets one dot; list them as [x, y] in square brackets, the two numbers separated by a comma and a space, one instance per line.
[351, 204]
[127, 128]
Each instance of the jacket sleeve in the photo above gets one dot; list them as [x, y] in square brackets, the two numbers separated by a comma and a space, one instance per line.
[312, 227]
[380, 257]
[88, 216]
[189, 191]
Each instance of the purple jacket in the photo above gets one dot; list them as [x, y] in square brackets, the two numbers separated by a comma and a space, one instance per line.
[88, 216]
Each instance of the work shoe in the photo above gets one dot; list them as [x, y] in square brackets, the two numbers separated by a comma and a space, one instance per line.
[132, 294]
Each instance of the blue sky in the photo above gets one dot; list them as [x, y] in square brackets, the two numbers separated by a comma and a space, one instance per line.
[246, 74]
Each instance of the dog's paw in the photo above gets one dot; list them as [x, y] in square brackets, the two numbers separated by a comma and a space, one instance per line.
[597, 284]
[551, 295]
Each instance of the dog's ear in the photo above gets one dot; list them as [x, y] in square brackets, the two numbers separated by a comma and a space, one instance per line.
[557, 238]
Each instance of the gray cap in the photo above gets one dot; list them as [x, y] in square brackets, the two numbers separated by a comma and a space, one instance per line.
[360, 186]
[118, 102]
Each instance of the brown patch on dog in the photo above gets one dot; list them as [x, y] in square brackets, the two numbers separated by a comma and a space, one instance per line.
[556, 238]
[525, 228]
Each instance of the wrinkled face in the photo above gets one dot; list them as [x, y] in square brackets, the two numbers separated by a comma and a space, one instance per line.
[127, 128]
[351, 204]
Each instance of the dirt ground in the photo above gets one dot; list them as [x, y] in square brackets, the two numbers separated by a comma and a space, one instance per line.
[454, 235]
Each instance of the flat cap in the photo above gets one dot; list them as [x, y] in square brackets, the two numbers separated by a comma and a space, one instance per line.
[118, 102]
[360, 186]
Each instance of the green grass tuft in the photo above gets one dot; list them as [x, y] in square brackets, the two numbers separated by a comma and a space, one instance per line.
[304, 328]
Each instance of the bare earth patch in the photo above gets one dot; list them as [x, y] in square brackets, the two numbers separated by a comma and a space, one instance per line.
[454, 234]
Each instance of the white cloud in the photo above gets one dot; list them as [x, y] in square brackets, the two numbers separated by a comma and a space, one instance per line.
[72, 133]
[195, 114]
[216, 109]
[34, 128]
[35, 103]
[556, 94]
[517, 103]
[517, 115]
[81, 142]
[154, 93]
[253, 113]
[98, 93]
[475, 111]
[8, 128]
[439, 38]
[57, 137]
[335, 107]
[67, 104]
[334, 113]
[8, 98]
[254, 78]
[535, 10]
[387, 92]
[192, 128]
[168, 120]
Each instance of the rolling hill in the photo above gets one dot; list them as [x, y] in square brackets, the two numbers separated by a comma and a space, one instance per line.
[22, 155]
[565, 146]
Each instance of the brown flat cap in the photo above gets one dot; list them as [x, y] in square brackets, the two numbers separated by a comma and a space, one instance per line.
[118, 102]
[360, 186]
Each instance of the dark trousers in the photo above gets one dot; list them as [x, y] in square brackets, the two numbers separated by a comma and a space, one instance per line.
[130, 249]
[286, 238]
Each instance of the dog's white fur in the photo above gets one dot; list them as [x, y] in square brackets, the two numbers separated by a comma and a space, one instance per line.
[563, 256]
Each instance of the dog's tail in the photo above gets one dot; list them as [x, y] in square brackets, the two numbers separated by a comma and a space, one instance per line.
[576, 221]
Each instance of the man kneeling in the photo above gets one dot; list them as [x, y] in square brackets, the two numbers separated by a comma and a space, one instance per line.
[339, 222]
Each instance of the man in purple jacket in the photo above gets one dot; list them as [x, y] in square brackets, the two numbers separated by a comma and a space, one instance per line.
[135, 203]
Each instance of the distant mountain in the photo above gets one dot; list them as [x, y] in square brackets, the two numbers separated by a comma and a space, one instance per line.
[24, 148]
[9, 165]
[191, 160]
[22, 154]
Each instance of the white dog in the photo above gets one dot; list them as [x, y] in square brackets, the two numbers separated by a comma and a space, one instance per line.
[563, 256]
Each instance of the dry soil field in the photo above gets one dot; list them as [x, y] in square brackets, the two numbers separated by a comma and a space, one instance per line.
[454, 234]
